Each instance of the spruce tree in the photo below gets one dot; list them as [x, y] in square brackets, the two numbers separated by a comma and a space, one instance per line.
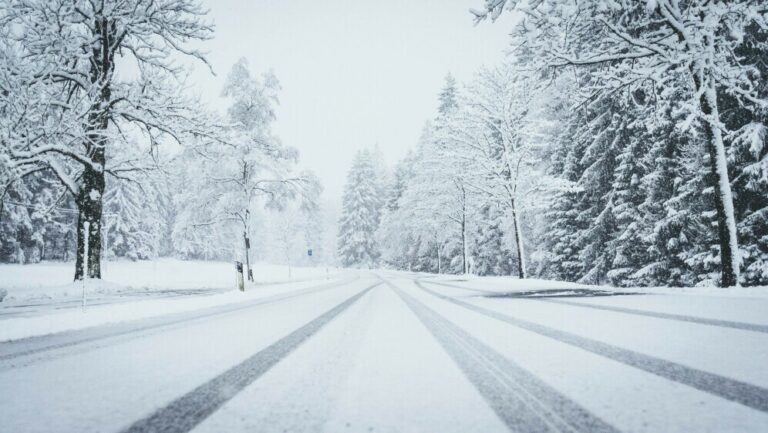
[359, 218]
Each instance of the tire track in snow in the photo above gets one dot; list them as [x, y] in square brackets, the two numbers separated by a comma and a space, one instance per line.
[523, 401]
[734, 390]
[187, 411]
[669, 316]
[12, 350]
[658, 315]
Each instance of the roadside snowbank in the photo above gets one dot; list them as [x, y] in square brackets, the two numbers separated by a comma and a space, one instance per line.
[53, 280]
[501, 284]
[60, 320]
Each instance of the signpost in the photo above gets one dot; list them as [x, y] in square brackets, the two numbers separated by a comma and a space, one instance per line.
[86, 241]
[240, 279]
[247, 256]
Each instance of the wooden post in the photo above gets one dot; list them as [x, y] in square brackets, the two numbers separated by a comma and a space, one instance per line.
[247, 255]
[86, 235]
[240, 279]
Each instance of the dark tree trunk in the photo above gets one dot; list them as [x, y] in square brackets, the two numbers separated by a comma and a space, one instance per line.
[89, 210]
[89, 196]
[728, 274]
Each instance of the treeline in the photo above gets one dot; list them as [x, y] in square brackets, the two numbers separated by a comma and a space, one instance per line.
[622, 143]
[104, 152]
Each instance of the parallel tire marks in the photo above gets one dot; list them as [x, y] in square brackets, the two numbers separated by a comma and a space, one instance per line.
[186, 412]
[36, 345]
[746, 394]
[669, 316]
[521, 400]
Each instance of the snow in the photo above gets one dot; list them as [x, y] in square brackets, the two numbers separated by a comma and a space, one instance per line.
[502, 284]
[686, 343]
[373, 369]
[53, 280]
[105, 388]
[377, 367]
[137, 290]
[628, 398]
[622, 170]
[511, 284]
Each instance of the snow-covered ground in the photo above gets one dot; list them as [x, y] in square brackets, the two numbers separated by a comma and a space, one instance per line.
[54, 279]
[512, 284]
[389, 351]
[42, 299]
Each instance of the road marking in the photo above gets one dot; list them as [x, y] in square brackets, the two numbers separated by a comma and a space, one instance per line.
[189, 410]
[522, 401]
[743, 393]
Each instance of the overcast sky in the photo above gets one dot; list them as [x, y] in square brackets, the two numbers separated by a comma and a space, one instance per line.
[353, 72]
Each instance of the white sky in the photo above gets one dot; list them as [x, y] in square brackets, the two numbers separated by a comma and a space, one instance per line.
[353, 72]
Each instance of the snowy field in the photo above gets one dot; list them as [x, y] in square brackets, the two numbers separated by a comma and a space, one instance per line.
[54, 279]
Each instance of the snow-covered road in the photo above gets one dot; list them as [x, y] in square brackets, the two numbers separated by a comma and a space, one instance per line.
[393, 352]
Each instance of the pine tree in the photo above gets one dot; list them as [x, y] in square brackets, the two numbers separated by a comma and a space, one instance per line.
[132, 225]
[358, 223]
[748, 161]
[491, 254]
[627, 250]
[704, 49]
[448, 96]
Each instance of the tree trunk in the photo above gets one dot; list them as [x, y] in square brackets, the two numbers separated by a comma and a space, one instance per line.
[89, 196]
[89, 208]
[465, 263]
[518, 242]
[726, 219]
[721, 185]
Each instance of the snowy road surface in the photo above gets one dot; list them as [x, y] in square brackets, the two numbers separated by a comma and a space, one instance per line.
[389, 352]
